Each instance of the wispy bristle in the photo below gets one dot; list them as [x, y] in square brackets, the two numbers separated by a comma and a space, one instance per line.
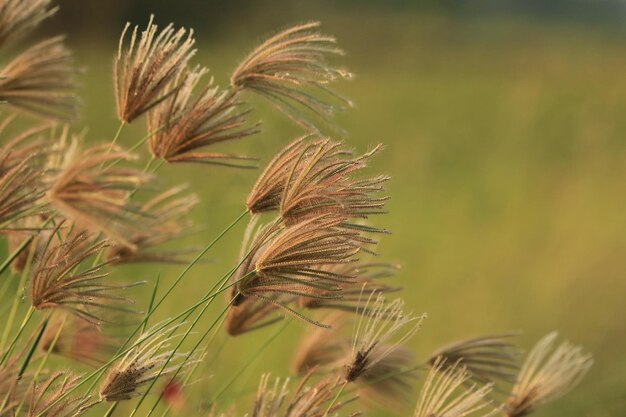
[489, 358]
[444, 394]
[547, 374]
[268, 190]
[19, 17]
[185, 123]
[59, 281]
[290, 70]
[145, 69]
[41, 81]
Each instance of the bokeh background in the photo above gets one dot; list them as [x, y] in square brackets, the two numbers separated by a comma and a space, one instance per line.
[505, 132]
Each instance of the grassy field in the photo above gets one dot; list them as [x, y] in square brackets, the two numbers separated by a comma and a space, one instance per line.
[506, 142]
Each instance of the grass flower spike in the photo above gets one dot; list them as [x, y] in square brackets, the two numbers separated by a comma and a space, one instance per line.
[486, 359]
[290, 70]
[41, 81]
[185, 123]
[92, 194]
[142, 365]
[378, 334]
[58, 281]
[19, 17]
[443, 394]
[145, 71]
[547, 374]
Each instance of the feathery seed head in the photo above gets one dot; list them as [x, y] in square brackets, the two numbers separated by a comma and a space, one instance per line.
[22, 181]
[269, 188]
[142, 364]
[291, 260]
[252, 314]
[444, 395]
[41, 81]
[184, 123]
[145, 71]
[548, 373]
[92, 194]
[377, 327]
[274, 400]
[489, 358]
[310, 178]
[390, 380]
[50, 397]
[290, 70]
[58, 281]
[19, 17]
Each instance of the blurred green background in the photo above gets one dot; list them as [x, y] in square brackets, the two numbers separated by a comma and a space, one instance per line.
[505, 134]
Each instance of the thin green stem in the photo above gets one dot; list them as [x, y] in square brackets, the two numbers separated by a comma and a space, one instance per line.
[198, 257]
[15, 253]
[117, 136]
[9, 349]
[111, 409]
[249, 362]
[332, 404]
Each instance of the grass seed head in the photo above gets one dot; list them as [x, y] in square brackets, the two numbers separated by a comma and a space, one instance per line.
[185, 123]
[146, 70]
[41, 81]
[290, 70]
[60, 281]
[19, 17]
[50, 397]
[275, 399]
[547, 374]
[93, 194]
[487, 359]
[381, 329]
[145, 362]
[445, 394]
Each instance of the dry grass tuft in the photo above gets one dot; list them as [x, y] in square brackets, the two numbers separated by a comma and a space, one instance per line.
[290, 70]
[548, 373]
[145, 72]
[41, 81]
[19, 17]
[58, 281]
[145, 362]
[93, 194]
[316, 401]
[379, 334]
[486, 359]
[443, 394]
[186, 122]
